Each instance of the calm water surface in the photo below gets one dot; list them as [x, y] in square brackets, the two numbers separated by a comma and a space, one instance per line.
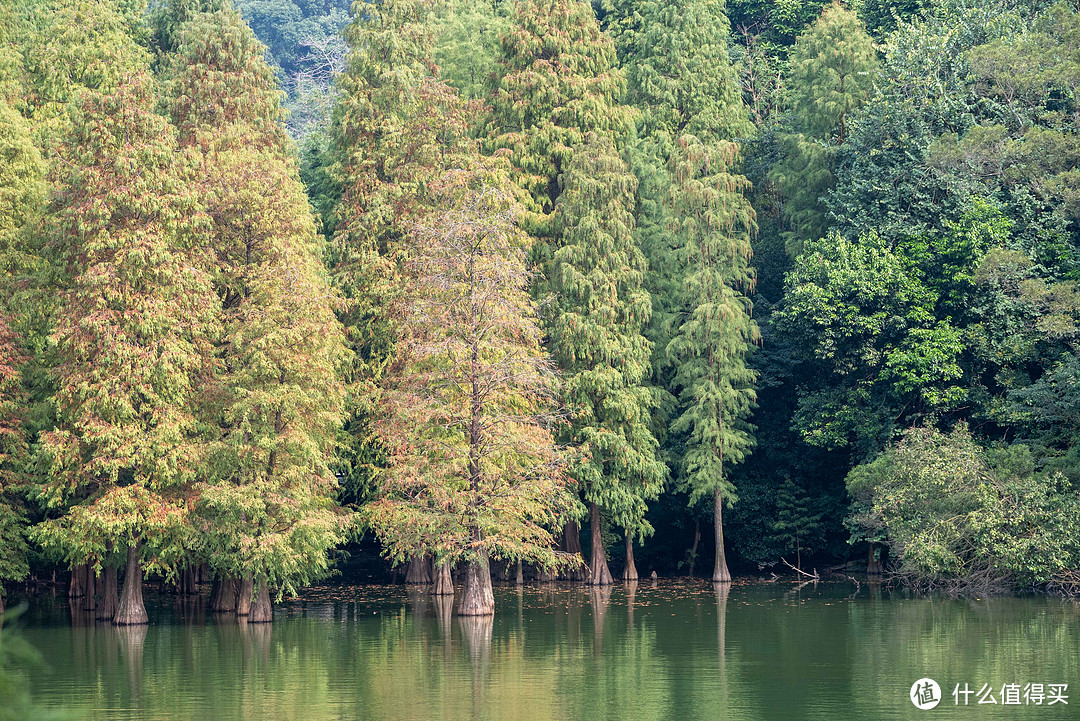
[680, 651]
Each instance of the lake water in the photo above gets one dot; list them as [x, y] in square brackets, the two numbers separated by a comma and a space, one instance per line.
[680, 651]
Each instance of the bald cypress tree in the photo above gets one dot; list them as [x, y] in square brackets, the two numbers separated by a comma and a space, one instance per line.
[712, 221]
[831, 76]
[267, 507]
[21, 195]
[395, 130]
[681, 80]
[131, 339]
[693, 226]
[556, 81]
[600, 310]
[72, 45]
[474, 470]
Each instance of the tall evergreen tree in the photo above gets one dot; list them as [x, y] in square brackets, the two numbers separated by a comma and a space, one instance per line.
[21, 196]
[712, 221]
[691, 201]
[71, 46]
[600, 310]
[556, 82]
[474, 471]
[831, 75]
[681, 80]
[267, 506]
[131, 341]
[396, 129]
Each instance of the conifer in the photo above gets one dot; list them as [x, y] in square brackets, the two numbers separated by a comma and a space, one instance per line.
[396, 129]
[712, 220]
[131, 341]
[474, 472]
[600, 311]
[267, 503]
[831, 75]
[556, 81]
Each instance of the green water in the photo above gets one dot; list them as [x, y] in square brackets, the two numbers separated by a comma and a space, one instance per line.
[680, 651]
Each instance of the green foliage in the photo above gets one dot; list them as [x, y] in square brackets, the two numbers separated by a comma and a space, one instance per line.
[556, 82]
[959, 517]
[473, 469]
[131, 335]
[71, 46]
[874, 348]
[798, 523]
[396, 129]
[712, 221]
[599, 312]
[830, 76]
[266, 507]
[467, 36]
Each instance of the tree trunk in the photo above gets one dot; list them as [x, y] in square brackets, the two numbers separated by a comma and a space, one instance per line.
[187, 582]
[131, 611]
[630, 570]
[600, 574]
[476, 596]
[1, 601]
[262, 611]
[873, 566]
[572, 545]
[419, 571]
[720, 570]
[693, 547]
[106, 608]
[244, 597]
[89, 599]
[444, 580]
[76, 590]
[519, 577]
[223, 595]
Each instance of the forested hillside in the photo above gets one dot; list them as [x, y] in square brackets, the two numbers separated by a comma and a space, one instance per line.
[472, 284]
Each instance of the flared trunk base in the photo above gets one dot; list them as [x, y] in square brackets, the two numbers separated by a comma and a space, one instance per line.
[262, 611]
[477, 598]
[131, 611]
[444, 581]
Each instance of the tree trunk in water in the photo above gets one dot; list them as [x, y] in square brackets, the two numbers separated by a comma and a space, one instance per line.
[476, 596]
[262, 611]
[75, 590]
[600, 574]
[89, 600]
[630, 570]
[720, 570]
[693, 547]
[106, 608]
[873, 566]
[419, 571]
[444, 581]
[131, 611]
[187, 582]
[223, 595]
[244, 597]
[572, 545]
[519, 577]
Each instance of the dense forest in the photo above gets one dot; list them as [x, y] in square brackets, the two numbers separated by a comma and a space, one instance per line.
[778, 285]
